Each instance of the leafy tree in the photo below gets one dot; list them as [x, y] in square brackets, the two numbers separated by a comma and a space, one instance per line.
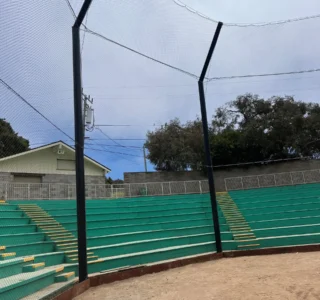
[168, 148]
[10, 142]
[247, 129]
[109, 180]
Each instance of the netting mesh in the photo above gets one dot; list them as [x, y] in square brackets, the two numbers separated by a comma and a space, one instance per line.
[140, 62]
[36, 69]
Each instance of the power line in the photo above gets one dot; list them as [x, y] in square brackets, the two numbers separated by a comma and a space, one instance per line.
[71, 9]
[84, 33]
[121, 139]
[107, 145]
[130, 49]
[114, 152]
[261, 24]
[228, 24]
[264, 75]
[127, 125]
[140, 53]
[30, 105]
[110, 138]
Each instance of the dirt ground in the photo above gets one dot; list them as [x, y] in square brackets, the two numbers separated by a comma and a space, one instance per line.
[283, 276]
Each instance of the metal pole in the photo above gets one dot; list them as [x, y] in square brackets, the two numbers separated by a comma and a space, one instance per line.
[214, 206]
[79, 144]
[145, 159]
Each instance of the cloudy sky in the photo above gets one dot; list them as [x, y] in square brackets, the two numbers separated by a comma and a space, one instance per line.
[128, 89]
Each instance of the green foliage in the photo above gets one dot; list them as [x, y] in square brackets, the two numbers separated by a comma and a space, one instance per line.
[247, 129]
[10, 142]
[109, 180]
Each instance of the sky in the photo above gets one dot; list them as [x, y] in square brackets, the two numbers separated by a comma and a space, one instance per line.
[129, 89]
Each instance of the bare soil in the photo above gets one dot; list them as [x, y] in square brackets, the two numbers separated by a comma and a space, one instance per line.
[283, 276]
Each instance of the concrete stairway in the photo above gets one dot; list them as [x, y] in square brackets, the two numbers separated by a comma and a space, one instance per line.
[64, 240]
[239, 227]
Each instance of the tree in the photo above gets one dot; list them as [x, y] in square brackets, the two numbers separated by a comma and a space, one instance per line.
[247, 129]
[10, 142]
[109, 180]
[168, 148]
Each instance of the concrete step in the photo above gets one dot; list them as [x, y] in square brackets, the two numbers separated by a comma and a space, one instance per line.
[65, 277]
[33, 267]
[25, 284]
[5, 256]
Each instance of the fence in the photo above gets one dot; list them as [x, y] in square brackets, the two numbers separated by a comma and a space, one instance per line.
[21, 191]
[272, 180]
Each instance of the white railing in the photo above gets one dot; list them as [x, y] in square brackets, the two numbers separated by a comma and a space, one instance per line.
[25, 191]
[272, 180]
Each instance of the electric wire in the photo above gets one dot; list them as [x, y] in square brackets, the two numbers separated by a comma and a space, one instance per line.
[6, 85]
[260, 24]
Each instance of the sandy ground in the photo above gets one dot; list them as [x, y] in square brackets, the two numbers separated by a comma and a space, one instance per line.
[283, 276]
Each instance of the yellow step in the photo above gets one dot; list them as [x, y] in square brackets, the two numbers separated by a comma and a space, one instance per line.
[8, 254]
[89, 257]
[2, 248]
[240, 228]
[243, 234]
[76, 255]
[29, 258]
[72, 251]
[34, 215]
[57, 231]
[67, 244]
[59, 239]
[38, 265]
[59, 269]
[60, 234]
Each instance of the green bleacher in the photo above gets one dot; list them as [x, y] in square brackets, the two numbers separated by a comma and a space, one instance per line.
[282, 216]
[38, 239]
[121, 233]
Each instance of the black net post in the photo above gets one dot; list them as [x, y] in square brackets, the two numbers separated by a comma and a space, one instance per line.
[79, 144]
[213, 198]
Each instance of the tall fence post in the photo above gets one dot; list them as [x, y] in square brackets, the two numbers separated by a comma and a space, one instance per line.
[214, 206]
[185, 187]
[200, 187]
[170, 193]
[304, 179]
[28, 191]
[291, 178]
[129, 190]
[79, 143]
[6, 191]
[146, 187]
[162, 188]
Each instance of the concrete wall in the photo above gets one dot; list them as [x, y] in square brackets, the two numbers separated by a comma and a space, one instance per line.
[221, 173]
[61, 187]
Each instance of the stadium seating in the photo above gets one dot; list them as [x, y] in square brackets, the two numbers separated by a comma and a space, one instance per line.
[38, 239]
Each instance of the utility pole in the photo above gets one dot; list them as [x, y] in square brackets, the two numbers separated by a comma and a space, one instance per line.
[145, 159]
